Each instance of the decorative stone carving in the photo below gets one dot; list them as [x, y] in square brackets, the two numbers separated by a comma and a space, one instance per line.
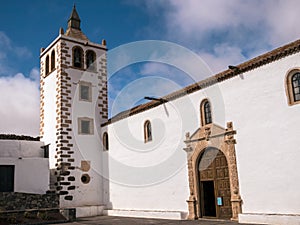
[85, 165]
[61, 30]
[222, 139]
[192, 208]
[207, 133]
[187, 135]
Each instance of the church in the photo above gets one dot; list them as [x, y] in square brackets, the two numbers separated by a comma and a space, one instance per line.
[226, 147]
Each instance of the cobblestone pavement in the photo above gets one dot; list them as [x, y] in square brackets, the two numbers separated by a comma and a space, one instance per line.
[113, 220]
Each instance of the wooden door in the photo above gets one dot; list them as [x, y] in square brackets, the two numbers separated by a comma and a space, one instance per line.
[214, 178]
[208, 196]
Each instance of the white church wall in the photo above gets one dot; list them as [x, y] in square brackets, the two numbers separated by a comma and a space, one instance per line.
[267, 139]
[130, 158]
[31, 173]
[153, 175]
[266, 146]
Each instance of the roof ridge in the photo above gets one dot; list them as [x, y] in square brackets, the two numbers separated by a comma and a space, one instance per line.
[260, 60]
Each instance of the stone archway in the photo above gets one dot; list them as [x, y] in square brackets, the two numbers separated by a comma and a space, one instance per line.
[211, 136]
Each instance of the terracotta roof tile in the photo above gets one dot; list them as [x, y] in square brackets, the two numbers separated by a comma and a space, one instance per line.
[251, 64]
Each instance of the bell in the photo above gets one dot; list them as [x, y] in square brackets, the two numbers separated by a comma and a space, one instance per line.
[77, 59]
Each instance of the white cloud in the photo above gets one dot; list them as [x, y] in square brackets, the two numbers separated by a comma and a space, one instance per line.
[195, 20]
[222, 56]
[282, 16]
[169, 72]
[10, 54]
[35, 74]
[22, 52]
[4, 40]
[7, 47]
[19, 111]
[154, 69]
[227, 32]
[19, 95]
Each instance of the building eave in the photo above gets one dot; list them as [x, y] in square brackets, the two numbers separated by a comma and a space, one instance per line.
[266, 58]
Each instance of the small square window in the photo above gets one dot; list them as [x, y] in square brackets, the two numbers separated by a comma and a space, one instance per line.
[85, 126]
[85, 91]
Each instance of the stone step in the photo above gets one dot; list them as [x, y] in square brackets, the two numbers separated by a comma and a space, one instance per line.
[87, 211]
[174, 215]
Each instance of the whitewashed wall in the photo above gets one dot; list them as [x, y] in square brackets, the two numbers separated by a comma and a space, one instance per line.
[31, 168]
[86, 147]
[267, 141]
[267, 147]
[50, 116]
[150, 177]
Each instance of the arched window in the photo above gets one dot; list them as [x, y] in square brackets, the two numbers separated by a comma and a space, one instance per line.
[52, 60]
[47, 65]
[105, 141]
[147, 131]
[296, 86]
[77, 57]
[206, 117]
[293, 87]
[90, 59]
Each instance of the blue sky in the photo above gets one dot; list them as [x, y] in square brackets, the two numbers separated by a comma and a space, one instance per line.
[220, 32]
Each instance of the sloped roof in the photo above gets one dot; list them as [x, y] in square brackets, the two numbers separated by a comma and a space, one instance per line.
[74, 15]
[74, 33]
[251, 64]
[18, 137]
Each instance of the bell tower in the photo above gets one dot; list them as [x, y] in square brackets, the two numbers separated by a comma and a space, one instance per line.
[73, 104]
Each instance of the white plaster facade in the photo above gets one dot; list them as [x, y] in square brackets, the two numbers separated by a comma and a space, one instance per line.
[31, 169]
[151, 179]
[266, 149]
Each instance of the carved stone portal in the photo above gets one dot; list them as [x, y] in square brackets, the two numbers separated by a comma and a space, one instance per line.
[211, 136]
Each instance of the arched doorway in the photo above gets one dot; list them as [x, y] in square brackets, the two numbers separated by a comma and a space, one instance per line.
[214, 184]
[212, 149]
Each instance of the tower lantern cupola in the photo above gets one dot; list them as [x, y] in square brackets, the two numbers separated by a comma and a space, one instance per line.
[74, 20]
[74, 29]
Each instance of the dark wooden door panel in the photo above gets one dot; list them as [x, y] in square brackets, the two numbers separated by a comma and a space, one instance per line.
[213, 168]
[208, 193]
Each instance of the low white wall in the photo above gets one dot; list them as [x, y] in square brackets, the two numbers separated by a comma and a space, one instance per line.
[20, 148]
[31, 169]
